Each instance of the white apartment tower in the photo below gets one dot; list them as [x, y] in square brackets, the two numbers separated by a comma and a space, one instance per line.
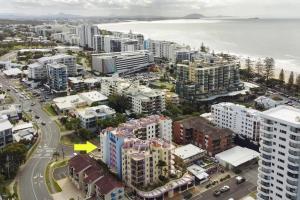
[243, 121]
[279, 163]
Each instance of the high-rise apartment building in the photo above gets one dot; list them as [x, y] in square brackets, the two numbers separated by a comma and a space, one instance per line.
[86, 35]
[279, 163]
[57, 80]
[243, 121]
[200, 79]
[141, 160]
[122, 62]
[112, 139]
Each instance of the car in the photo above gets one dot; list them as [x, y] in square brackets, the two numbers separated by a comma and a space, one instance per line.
[32, 104]
[217, 193]
[225, 188]
[43, 123]
[240, 179]
[231, 199]
[37, 117]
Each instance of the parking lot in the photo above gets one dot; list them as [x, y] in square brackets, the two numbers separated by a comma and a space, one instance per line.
[237, 191]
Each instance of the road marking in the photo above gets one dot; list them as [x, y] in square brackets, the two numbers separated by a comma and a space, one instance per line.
[32, 181]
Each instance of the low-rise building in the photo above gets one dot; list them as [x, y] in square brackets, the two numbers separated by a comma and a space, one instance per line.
[237, 157]
[87, 175]
[265, 102]
[200, 173]
[88, 116]
[188, 154]
[70, 103]
[6, 136]
[243, 121]
[12, 111]
[198, 131]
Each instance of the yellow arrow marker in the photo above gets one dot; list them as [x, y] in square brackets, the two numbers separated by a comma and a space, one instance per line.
[88, 147]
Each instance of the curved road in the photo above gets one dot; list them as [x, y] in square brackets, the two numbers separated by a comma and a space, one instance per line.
[32, 184]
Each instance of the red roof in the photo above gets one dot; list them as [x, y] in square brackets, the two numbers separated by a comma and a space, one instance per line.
[108, 183]
[92, 174]
[80, 162]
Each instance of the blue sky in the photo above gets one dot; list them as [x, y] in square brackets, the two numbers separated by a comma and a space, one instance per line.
[243, 8]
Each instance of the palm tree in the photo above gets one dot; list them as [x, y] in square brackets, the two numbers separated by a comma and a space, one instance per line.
[161, 164]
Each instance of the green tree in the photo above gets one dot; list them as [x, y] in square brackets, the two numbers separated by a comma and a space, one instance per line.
[119, 102]
[291, 80]
[111, 122]
[269, 65]
[281, 76]
[11, 157]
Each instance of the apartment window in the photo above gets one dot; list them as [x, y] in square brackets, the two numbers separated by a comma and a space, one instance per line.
[279, 167]
[279, 174]
[282, 146]
[278, 188]
[280, 160]
[283, 131]
[281, 153]
[279, 181]
[281, 138]
[283, 124]
[279, 195]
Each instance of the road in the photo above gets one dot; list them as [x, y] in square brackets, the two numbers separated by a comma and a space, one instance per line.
[236, 191]
[9, 56]
[31, 177]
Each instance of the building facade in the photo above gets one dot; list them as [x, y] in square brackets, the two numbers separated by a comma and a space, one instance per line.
[243, 121]
[122, 62]
[200, 79]
[57, 80]
[6, 136]
[278, 172]
[198, 131]
[141, 161]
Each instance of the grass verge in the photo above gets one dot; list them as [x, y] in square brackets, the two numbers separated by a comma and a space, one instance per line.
[70, 139]
[49, 110]
[61, 127]
[51, 183]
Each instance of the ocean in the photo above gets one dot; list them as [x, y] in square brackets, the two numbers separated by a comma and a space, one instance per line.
[257, 38]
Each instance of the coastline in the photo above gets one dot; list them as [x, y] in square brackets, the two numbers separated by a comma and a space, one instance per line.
[286, 59]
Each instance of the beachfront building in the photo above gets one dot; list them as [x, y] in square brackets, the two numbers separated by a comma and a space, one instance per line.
[241, 120]
[6, 136]
[278, 172]
[144, 161]
[122, 62]
[86, 35]
[90, 115]
[201, 80]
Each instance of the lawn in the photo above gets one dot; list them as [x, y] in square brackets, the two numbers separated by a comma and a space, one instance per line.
[61, 127]
[70, 139]
[49, 110]
[166, 85]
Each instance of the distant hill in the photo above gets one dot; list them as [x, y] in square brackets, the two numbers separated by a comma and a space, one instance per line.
[193, 16]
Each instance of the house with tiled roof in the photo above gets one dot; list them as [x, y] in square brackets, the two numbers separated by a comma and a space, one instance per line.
[96, 183]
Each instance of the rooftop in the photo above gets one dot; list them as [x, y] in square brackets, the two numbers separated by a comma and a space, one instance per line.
[12, 72]
[198, 171]
[5, 123]
[93, 96]
[187, 151]
[284, 113]
[237, 155]
[203, 125]
[101, 110]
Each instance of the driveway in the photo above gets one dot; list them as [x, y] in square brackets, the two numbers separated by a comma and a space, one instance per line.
[69, 191]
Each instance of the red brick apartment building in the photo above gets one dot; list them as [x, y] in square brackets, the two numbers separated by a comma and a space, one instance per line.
[200, 132]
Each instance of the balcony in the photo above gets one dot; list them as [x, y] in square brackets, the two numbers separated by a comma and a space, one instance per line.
[264, 170]
[293, 183]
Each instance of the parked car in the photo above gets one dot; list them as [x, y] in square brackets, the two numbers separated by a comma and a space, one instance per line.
[217, 193]
[43, 123]
[225, 188]
[240, 179]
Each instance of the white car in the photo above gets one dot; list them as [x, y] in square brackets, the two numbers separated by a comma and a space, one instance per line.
[225, 188]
